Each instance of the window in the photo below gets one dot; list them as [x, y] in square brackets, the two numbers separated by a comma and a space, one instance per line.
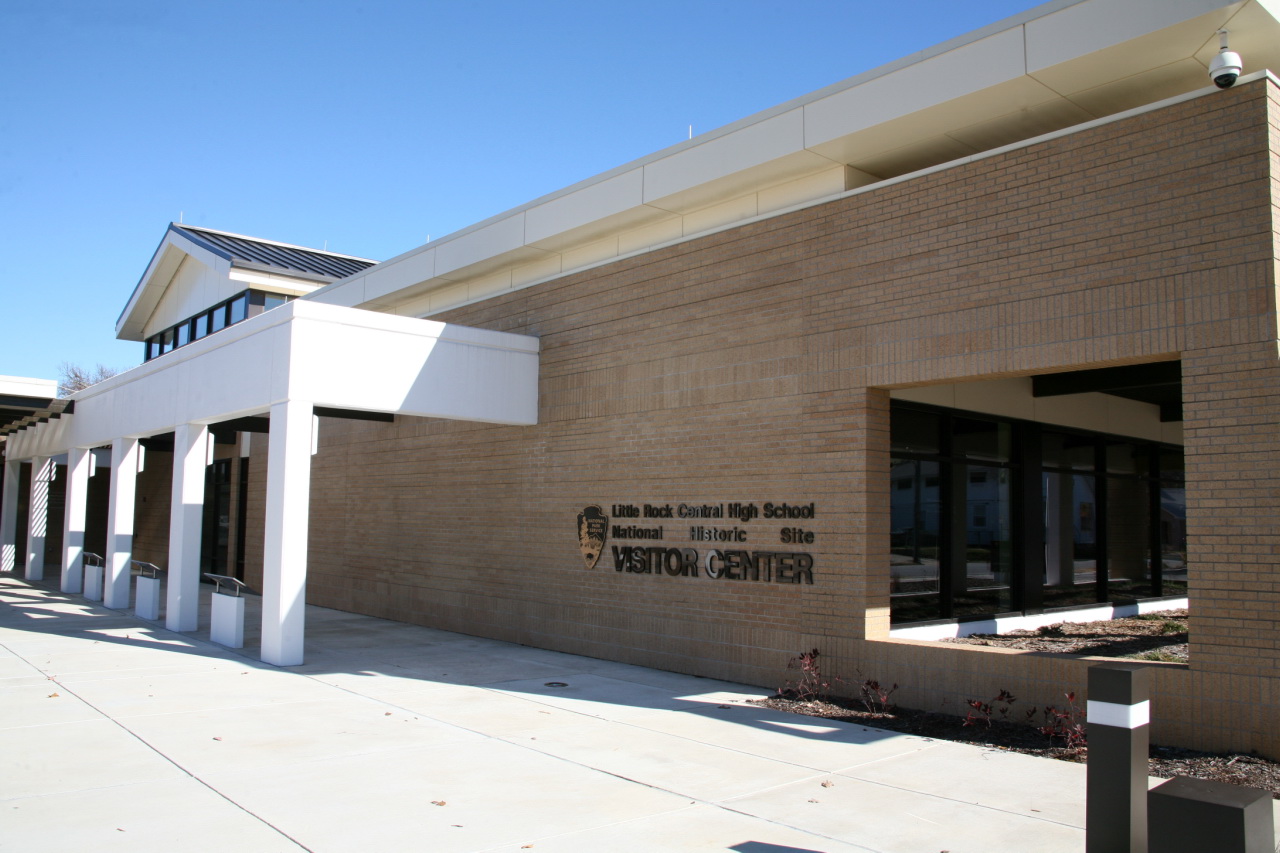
[238, 308]
[995, 515]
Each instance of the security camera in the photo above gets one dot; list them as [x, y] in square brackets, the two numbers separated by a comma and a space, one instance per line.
[1225, 68]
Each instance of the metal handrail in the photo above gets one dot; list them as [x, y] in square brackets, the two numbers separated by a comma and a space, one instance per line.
[147, 570]
[98, 562]
[234, 584]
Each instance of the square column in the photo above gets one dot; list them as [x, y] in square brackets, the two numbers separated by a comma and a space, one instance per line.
[124, 487]
[79, 460]
[284, 564]
[186, 518]
[42, 469]
[9, 516]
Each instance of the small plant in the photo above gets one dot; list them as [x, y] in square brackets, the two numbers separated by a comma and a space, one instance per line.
[812, 685]
[1054, 630]
[1172, 626]
[1160, 656]
[1066, 723]
[983, 712]
[875, 697]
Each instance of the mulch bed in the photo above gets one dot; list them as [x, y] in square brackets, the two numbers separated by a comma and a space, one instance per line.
[1156, 636]
[1166, 762]
[1153, 636]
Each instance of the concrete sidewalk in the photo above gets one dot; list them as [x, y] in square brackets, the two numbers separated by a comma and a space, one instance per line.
[120, 735]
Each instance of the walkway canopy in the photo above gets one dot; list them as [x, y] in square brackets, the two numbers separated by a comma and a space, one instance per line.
[285, 364]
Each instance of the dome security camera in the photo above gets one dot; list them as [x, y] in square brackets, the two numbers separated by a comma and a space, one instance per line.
[1225, 68]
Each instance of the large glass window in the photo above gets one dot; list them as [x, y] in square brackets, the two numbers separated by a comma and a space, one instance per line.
[1071, 539]
[995, 515]
[984, 549]
[915, 507]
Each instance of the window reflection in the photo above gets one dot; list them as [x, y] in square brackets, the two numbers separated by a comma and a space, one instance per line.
[965, 515]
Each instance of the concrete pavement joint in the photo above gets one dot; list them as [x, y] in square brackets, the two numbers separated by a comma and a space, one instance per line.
[166, 758]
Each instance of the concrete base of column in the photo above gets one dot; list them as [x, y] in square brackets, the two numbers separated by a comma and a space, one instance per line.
[147, 603]
[226, 622]
[93, 582]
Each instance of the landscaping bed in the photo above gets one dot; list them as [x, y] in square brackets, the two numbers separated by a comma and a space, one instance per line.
[1004, 723]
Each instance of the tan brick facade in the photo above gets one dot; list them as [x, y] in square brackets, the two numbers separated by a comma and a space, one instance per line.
[754, 365]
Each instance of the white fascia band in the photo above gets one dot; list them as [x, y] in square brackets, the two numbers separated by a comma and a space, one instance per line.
[1117, 715]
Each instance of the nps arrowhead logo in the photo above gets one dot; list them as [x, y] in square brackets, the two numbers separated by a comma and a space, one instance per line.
[593, 529]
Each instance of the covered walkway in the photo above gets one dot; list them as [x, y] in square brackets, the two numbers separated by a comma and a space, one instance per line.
[279, 371]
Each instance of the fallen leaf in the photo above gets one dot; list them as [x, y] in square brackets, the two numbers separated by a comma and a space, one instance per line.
[53, 695]
[827, 783]
[217, 738]
[437, 802]
[813, 801]
[388, 714]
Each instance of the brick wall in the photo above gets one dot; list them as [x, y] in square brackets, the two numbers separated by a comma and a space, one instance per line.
[753, 365]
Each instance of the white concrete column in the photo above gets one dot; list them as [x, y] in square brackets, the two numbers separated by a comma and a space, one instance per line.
[186, 518]
[9, 516]
[42, 469]
[124, 487]
[79, 461]
[284, 564]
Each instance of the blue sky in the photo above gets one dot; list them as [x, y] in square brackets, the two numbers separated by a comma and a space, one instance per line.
[367, 125]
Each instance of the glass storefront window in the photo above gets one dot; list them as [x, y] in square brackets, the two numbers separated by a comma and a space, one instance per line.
[1173, 539]
[1172, 465]
[914, 431]
[976, 439]
[986, 548]
[1128, 538]
[1126, 458]
[975, 534]
[915, 516]
[1070, 539]
[1068, 450]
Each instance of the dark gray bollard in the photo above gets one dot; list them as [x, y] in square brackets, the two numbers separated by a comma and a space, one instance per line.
[1119, 713]
[1195, 815]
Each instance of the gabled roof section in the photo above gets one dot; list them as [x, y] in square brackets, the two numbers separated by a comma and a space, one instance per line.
[243, 251]
[224, 252]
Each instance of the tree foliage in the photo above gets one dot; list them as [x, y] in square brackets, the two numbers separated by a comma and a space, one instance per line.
[73, 377]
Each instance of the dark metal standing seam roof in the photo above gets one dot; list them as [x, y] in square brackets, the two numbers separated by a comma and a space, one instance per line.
[235, 248]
